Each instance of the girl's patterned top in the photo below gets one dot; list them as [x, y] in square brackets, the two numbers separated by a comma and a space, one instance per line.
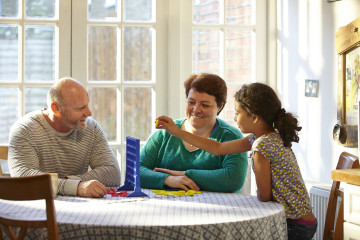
[287, 185]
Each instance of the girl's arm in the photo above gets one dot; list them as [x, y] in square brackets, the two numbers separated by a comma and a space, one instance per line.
[208, 145]
[263, 177]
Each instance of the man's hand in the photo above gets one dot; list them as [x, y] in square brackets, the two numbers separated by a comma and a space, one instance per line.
[182, 182]
[92, 188]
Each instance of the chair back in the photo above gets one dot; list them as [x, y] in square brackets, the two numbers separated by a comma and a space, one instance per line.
[3, 156]
[346, 161]
[28, 188]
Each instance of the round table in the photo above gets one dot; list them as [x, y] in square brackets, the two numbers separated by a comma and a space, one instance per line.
[208, 215]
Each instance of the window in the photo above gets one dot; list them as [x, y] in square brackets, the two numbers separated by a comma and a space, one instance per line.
[30, 59]
[132, 55]
[223, 43]
[225, 37]
[115, 46]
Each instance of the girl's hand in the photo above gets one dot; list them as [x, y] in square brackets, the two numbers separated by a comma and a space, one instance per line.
[164, 122]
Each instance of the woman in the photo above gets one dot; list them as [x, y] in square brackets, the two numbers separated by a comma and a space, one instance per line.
[168, 162]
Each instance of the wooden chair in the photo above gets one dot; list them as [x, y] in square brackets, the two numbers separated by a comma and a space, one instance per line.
[28, 188]
[3, 156]
[346, 161]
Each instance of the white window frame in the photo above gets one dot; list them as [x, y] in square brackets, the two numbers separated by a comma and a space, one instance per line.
[158, 84]
[172, 58]
[180, 55]
[62, 41]
[180, 50]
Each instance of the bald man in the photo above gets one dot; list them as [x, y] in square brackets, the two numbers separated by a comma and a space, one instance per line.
[64, 139]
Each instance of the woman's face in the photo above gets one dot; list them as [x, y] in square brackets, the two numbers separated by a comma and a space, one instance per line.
[201, 109]
[243, 119]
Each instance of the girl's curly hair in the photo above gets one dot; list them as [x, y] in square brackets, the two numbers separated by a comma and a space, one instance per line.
[261, 100]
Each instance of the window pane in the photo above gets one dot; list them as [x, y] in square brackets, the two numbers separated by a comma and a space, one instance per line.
[40, 8]
[8, 110]
[103, 107]
[229, 109]
[9, 8]
[238, 12]
[206, 11]
[206, 52]
[138, 10]
[8, 53]
[103, 9]
[137, 54]
[35, 99]
[137, 112]
[238, 56]
[102, 53]
[39, 53]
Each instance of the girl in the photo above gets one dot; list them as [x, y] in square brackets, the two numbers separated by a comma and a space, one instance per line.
[271, 130]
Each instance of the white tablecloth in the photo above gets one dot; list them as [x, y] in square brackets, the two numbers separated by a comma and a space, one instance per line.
[207, 215]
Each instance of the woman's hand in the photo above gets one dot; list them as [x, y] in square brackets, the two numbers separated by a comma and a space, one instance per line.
[164, 122]
[171, 172]
[182, 182]
[177, 179]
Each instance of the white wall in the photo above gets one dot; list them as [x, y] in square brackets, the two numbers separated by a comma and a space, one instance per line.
[306, 50]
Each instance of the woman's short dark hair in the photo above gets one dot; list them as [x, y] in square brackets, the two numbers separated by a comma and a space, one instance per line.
[208, 83]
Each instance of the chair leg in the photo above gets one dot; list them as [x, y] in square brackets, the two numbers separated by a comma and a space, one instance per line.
[22, 233]
[339, 228]
[9, 232]
[1, 234]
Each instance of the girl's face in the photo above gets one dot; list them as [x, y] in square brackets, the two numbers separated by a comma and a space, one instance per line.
[244, 120]
[201, 109]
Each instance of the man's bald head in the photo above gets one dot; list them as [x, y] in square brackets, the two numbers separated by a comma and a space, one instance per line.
[63, 89]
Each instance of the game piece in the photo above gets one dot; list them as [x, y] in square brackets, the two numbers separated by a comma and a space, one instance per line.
[180, 193]
[169, 194]
[114, 193]
[175, 193]
[159, 192]
[132, 179]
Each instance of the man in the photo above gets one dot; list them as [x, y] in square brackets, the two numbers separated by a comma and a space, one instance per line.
[63, 139]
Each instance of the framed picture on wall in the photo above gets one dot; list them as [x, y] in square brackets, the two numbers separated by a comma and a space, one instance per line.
[347, 40]
[352, 82]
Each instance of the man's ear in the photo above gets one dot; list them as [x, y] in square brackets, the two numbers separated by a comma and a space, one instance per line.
[55, 108]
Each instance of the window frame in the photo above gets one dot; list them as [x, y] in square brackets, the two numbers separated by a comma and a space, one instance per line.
[62, 41]
[180, 50]
[158, 85]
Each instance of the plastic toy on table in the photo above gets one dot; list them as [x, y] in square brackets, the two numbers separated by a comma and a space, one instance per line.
[176, 193]
[132, 178]
[115, 193]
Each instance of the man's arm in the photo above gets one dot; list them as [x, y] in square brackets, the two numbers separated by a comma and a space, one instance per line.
[24, 161]
[32, 152]
[103, 162]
